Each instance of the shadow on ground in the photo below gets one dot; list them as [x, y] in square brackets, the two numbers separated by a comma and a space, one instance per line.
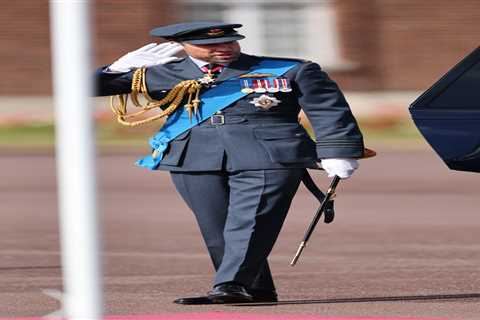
[460, 296]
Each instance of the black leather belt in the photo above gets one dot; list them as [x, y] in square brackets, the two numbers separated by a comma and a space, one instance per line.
[220, 119]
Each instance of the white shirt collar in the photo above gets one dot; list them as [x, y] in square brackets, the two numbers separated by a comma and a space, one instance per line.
[201, 63]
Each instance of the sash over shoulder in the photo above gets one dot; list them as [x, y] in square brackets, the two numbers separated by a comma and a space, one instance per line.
[212, 100]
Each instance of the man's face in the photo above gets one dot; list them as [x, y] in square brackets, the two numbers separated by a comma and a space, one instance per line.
[221, 53]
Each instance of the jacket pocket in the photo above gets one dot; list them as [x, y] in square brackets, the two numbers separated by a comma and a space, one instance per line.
[176, 149]
[286, 143]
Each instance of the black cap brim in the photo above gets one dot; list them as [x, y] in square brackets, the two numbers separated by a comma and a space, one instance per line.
[198, 32]
[214, 40]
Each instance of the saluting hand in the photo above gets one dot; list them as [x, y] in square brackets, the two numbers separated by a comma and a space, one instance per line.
[343, 168]
[149, 55]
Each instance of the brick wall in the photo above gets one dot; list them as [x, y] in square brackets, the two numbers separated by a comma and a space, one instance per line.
[358, 24]
[422, 39]
[24, 48]
[405, 44]
[394, 44]
[125, 27]
[120, 26]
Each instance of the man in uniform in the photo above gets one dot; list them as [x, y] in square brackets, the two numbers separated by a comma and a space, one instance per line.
[238, 164]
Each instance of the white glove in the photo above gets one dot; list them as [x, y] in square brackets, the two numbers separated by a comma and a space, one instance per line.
[339, 167]
[149, 55]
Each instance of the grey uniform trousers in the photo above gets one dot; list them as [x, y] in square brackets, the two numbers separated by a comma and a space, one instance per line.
[240, 215]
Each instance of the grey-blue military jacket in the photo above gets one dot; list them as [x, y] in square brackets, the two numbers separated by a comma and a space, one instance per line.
[252, 137]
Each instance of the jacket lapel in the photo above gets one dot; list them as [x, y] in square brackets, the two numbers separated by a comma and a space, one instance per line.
[187, 70]
[240, 66]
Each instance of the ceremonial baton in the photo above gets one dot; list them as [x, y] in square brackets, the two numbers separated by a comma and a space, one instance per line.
[328, 196]
[368, 153]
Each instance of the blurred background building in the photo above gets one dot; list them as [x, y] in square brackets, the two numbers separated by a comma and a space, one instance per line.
[382, 53]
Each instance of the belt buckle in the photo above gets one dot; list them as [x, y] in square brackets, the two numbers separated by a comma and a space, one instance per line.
[217, 119]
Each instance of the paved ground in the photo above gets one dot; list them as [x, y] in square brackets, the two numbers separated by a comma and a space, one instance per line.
[405, 242]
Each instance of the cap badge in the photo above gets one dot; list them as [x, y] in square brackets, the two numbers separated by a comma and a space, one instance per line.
[265, 102]
[215, 32]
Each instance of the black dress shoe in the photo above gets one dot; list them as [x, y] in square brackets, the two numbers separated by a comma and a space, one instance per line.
[257, 296]
[229, 292]
[202, 300]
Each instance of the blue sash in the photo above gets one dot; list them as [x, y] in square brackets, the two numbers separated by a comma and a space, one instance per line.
[213, 100]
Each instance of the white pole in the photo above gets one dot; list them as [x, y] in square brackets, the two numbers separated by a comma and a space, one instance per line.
[70, 30]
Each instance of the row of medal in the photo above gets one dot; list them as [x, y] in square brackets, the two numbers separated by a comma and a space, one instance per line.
[265, 85]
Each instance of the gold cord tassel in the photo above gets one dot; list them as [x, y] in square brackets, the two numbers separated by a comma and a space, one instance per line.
[196, 101]
[173, 99]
